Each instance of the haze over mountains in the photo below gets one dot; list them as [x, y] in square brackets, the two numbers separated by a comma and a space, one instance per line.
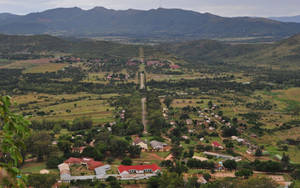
[295, 19]
[155, 23]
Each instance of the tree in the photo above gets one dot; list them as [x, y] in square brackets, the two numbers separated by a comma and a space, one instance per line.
[89, 152]
[153, 182]
[113, 182]
[56, 128]
[206, 176]
[168, 101]
[244, 173]
[285, 160]
[118, 147]
[64, 146]
[230, 164]
[134, 151]
[39, 144]
[171, 180]
[14, 131]
[126, 161]
[258, 152]
[210, 104]
[229, 131]
[53, 162]
[42, 180]
[192, 183]
[176, 151]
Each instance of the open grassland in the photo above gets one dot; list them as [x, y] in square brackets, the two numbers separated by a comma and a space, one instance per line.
[47, 67]
[289, 94]
[4, 62]
[270, 143]
[67, 107]
[23, 64]
[34, 66]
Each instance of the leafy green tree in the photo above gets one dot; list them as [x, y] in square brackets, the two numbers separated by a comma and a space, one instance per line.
[285, 160]
[39, 144]
[244, 173]
[176, 151]
[64, 146]
[53, 162]
[153, 182]
[209, 104]
[206, 176]
[171, 180]
[14, 131]
[56, 128]
[230, 164]
[192, 183]
[118, 147]
[134, 151]
[89, 152]
[126, 161]
[258, 152]
[113, 182]
[168, 101]
[42, 180]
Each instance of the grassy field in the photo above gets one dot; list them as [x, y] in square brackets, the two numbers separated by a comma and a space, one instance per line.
[34, 66]
[47, 67]
[35, 167]
[67, 106]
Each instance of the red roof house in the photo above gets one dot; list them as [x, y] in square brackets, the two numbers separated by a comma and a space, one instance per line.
[138, 169]
[89, 162]
[217, 145]
[94, 164]
[174, 66]
[73, 160]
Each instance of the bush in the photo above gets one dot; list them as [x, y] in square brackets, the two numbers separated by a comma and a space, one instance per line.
[230, 164]
[41, 180]
[126, 161]
[244, 173]
[206, 176]
[53, 162]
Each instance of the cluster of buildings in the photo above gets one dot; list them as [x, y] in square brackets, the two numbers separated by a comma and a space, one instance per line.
[155, 145]
[138, 170]
[162, 64]
[98, 167]
[69, 59]
[134, 172]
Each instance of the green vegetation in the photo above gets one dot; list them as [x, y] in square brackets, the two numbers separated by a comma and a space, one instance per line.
[200, 97]
[14, 130]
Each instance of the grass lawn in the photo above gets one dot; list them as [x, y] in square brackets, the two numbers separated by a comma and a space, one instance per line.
[163, 154]
[35, 167]
[67, 106]
[148, 157]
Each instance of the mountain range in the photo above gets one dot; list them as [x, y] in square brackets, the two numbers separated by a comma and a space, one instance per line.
[295, 19]
[154, 23]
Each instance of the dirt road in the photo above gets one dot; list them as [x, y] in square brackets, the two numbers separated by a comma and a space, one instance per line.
[144, 121]
[142, 84]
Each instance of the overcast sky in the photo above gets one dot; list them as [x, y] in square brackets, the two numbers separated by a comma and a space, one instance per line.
[264, 8]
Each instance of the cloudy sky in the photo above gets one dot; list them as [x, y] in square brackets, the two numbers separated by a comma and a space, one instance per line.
[264, 8]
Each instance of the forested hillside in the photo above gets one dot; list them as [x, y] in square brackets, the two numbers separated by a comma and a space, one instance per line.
[170, 24]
